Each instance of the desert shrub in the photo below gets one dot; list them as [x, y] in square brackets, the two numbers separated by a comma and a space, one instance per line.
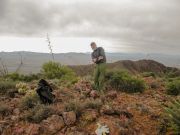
[173, 113]
[148, 74]
[21, 77]
[22, 87]
[5, 85]
[4, 109]
[74, 105]
[173, 88]
[122, 80]
[38, 113]
[78, 106]
[52, 70]
[30, 100]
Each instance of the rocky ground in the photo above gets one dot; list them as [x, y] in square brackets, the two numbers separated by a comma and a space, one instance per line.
[77, 111]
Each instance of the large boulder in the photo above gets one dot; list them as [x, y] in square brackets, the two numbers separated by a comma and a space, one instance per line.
[52, 125]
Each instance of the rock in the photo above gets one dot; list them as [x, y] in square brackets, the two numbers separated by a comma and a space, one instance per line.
[94, 94]
[14, 118]
[52, 125]
[33, 129]
[112, 95]
[16, 111]
[69, 118]
[18, 131]
[106, 109]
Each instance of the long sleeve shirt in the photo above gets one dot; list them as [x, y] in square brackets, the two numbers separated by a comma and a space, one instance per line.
[97, 53]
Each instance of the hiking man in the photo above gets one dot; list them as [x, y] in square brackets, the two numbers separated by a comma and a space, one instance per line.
[99, 58]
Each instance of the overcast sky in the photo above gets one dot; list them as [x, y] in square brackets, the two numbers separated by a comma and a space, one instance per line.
[148, 26]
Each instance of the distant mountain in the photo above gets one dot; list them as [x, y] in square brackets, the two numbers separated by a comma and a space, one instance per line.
[32, 61]
[139, 66]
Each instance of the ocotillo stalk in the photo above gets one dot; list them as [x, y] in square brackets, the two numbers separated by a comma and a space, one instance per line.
[50, 46]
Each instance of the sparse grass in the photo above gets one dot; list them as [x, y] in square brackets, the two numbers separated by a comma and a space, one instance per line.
[78, 106]
[93, 104]
[38, 113]
[6, 85]
[174, 116]
[74, 105]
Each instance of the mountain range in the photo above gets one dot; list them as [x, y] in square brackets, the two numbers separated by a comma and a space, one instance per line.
[32, 61]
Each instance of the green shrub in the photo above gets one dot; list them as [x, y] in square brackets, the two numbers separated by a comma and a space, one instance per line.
[6, 85]
[38, 113]
[122, 80]
[30, 100]
[53, 70]
[78, 106]
[21, 77]
[174, 116]
[173, 88]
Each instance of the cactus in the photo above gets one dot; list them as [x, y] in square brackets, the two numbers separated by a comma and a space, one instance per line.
[22, 87]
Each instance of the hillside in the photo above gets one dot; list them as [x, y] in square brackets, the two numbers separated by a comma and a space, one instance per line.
[132, 66]
[32, 62]
[132, 103]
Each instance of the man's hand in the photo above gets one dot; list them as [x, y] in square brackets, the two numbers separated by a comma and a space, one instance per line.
[94, 60]
[100, 58]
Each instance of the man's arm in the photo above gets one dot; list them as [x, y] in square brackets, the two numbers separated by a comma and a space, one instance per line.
[93, 59]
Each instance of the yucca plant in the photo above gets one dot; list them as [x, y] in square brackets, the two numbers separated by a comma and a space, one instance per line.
[174, 116]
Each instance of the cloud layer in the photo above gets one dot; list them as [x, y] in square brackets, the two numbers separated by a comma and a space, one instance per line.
[141, 23]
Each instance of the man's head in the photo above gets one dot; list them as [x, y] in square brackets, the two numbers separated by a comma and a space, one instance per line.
[93, 45]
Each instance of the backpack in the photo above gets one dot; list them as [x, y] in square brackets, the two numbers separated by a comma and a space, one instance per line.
[44, 91]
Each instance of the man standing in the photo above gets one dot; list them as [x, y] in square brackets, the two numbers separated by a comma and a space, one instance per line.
[99, 58]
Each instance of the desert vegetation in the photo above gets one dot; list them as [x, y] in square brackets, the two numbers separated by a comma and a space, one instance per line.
[133, 102]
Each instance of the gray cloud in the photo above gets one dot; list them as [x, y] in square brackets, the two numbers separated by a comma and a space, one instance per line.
[140, 22]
